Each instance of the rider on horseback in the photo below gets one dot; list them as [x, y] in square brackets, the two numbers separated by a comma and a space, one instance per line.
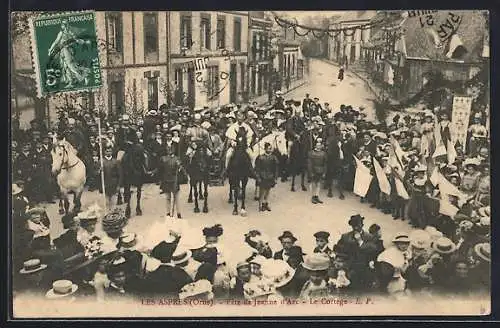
[237, 132]
[197, 136]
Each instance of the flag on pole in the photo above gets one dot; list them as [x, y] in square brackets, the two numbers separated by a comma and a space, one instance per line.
[400, 188]
[434, 177]
[101, 161]
[362, 179]
[440, 151]
[447, 188]
[383, 182]
[396, 155]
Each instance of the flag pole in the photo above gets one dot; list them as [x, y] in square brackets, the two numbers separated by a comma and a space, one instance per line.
[101, 160]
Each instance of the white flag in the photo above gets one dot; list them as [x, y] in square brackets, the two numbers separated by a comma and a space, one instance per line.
[362, 179]
[446, 208]
[451, 152]
[400, 189]
[434, 178]
[383, 182]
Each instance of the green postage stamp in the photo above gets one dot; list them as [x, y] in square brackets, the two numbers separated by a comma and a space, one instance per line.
[65, 52]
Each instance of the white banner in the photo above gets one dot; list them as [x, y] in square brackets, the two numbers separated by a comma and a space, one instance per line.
[460, 118]
[362, 179]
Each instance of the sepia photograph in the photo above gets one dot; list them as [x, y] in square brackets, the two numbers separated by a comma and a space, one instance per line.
[190, 164]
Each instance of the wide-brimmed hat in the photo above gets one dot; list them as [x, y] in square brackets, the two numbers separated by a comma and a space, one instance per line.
[420, 239]
[356, 220]
[287, 234]
[278, 271]
[401, 237]
[176, 128]
[61, 288]
[433, 232]
[32, 266]
[483, 251]
[256, 289]
[16, 189]
[316, 262]
[420, 168]
[152, 112]
[443, 245]
[196, 288]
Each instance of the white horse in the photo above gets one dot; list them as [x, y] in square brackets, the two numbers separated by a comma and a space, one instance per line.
[71, 176]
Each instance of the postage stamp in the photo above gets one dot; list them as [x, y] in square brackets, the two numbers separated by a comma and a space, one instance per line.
[65, 53]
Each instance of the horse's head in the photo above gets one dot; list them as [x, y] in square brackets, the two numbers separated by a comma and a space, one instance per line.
[59, 156]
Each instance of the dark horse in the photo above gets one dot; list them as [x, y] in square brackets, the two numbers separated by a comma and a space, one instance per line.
[198, 170]
[238, 171]
[133, 166]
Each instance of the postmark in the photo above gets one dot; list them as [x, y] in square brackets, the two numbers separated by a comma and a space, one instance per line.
[65, 53]
[445, 24]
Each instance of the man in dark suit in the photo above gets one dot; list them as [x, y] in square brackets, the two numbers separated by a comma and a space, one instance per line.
[290, 253]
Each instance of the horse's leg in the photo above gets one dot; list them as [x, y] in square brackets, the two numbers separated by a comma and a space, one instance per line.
[126, 195]
[230, 200]
[61, 207]
[138, 210]
[302, 180]
[256, 191]
[293, 183]
[200, 190]
[205, 195]
[244, 182]
[64, 196]
[119, 198]
[190, 198]
[195, 190]
[235, 188]
[77, 203]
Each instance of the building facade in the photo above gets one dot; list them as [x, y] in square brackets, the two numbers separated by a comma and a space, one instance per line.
[346, 46]
[260, 54]
[289, 60]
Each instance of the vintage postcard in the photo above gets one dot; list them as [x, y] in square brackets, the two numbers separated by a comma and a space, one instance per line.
[250, 163]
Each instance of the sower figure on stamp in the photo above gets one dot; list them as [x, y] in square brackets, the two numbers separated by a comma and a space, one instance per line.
[61, 49]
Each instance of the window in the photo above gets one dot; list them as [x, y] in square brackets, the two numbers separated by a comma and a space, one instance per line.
[293, 65]
[153, 93]
[261, 46]
[186, 32]
[151, 36]
[205, 31]
[178, 77]
[221, 32]
[213, 82]
[254, 47]
[242, 69]
[115, 31]
[237, 34]
[116, 97]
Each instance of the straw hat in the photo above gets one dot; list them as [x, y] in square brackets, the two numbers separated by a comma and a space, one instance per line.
[316, 262]
[16, 189]
[443, 245]
[433, 232]
[32, 266]
[401, 237]
[420, 239]
[483, 251]
[181, 256]
[61, 288]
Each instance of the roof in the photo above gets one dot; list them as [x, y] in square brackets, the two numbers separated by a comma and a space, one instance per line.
[360, 15]
[420, 44]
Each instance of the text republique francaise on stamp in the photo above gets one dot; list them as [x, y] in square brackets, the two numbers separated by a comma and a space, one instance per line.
[65, 53]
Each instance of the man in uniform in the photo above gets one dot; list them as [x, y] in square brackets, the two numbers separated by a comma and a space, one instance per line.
[295, 127]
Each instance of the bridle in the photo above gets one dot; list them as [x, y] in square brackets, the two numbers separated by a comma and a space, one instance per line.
[65, 154]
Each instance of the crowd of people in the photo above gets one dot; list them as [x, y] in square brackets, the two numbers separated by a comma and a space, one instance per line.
[418, 173]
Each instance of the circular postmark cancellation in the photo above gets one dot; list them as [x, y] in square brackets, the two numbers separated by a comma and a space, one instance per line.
[65, 52]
